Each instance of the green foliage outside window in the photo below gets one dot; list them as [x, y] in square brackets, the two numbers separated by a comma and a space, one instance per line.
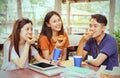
[116, 34]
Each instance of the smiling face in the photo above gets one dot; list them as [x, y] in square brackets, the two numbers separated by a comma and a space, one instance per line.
[55, 23]
[25, 31]
[97, 28]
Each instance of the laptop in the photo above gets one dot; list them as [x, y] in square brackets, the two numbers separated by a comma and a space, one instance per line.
[46, 68]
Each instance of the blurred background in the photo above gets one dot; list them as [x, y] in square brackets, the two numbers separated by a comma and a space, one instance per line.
[74, 13]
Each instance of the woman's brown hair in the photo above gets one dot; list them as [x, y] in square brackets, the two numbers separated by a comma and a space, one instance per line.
[15, 36]
[46, 30]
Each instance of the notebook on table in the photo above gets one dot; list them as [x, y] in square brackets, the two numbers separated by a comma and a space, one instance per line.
[80, 72]
[46, 68]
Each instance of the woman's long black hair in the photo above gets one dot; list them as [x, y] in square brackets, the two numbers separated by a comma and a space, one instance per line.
[46, 30]
[15, 36]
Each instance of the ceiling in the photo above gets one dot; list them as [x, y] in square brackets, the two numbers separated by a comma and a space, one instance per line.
[74, 1]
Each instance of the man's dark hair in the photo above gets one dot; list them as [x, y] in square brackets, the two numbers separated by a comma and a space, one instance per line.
[99, 18]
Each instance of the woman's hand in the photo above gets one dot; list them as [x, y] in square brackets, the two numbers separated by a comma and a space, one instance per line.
[60, 44]
[55, 62]
[31, 39]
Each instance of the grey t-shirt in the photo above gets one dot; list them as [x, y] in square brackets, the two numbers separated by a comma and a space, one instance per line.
[10, 65]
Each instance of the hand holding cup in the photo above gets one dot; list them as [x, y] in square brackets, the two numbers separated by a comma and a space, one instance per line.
[56, 54]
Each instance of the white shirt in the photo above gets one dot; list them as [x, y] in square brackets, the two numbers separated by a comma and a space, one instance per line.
[10, 65]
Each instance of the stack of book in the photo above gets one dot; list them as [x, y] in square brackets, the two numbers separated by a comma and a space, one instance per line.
[77, 72]
[103, 73]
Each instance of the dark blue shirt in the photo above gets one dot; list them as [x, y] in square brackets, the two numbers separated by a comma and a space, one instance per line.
[107, 46]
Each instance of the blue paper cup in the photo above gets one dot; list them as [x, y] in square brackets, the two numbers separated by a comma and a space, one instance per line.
[56, 54]
[78, 61]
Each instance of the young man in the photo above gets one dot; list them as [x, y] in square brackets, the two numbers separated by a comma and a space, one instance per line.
[99, 44]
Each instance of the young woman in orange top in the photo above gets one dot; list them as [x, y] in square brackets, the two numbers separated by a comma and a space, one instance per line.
[52, 27]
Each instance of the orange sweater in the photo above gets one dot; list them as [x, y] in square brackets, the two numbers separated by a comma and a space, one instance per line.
[44, 44]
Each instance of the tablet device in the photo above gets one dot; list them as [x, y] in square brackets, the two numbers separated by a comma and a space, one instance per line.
[43, 66]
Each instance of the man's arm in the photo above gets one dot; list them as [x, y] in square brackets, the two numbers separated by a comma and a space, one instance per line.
[99, 60]
[80, 51]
